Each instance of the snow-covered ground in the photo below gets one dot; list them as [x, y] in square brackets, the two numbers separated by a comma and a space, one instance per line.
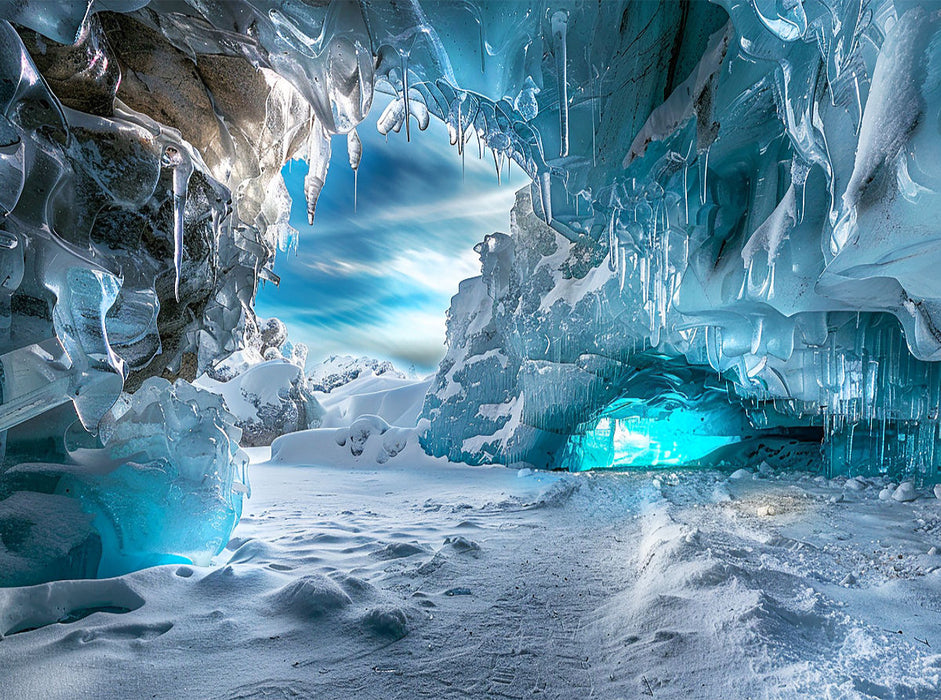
[424, 579]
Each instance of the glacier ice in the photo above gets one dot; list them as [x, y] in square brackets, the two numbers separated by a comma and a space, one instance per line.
[731, 217]
[162, 481]
[749, 206]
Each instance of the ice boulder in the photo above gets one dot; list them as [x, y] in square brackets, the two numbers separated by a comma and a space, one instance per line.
[162, 482]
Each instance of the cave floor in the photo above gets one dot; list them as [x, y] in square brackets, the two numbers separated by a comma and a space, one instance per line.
[439, 581]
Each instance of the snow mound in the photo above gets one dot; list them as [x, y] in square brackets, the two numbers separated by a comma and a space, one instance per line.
[32, 607]
[310, 596]
[367, 440]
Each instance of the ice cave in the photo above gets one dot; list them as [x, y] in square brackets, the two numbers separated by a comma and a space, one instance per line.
[470, 348]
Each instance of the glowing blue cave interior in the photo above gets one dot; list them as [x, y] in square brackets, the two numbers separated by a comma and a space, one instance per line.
[633, 434]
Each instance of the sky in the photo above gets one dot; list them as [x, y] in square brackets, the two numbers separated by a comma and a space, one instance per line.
[378, 281]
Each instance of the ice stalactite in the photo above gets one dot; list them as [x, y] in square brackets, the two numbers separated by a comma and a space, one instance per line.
[405, 100]
[354, 149]
[176, 159]
[559, 24]
[318, 162]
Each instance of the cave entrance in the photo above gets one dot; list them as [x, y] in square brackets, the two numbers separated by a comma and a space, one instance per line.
[670, 414]
[375, 272]
[634, 433]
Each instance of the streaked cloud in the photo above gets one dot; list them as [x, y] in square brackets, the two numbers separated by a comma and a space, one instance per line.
[379, 280]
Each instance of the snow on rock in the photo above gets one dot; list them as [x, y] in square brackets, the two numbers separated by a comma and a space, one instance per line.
[338, 370]
[905, 492]
[268, 399]
[855, 484]
[367, 440]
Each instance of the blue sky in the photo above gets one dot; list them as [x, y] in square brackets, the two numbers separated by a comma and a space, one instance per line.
[378, 281]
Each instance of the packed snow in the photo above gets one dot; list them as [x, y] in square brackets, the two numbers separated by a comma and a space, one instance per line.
[420, 578]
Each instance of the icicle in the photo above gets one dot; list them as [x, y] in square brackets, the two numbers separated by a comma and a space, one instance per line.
[594, 149]
[354, 149]
[703, 172]
[545, 192]
[176, 158]
[591, 99]
[560, 21]
[318, 159]
[408, 133]
[483, 45]
[612, 244]
[496, 163]
[460, 131]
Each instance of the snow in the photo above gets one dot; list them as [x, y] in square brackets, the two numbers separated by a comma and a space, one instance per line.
[259, 384]
[421, 578]
[396, 400]
[338, 370]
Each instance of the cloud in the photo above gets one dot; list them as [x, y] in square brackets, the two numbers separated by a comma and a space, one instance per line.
[379, 280]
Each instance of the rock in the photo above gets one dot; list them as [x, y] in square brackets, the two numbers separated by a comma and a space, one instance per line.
[848, 580]
[740, 474]
[937, 490]
[886, 493]
[836, 499]
[855, 484]
[457, 591]
[933, 552]
[905, 492]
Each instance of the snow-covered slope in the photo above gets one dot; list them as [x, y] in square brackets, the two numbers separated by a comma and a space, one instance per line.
[396, 400]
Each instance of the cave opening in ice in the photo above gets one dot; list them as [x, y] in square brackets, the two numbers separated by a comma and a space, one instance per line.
[374, 274]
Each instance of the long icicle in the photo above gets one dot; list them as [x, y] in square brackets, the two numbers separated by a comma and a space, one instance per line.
[559, 31]
[408, 132]
[176, 158]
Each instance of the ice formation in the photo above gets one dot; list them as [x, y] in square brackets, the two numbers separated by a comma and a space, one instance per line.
[731, 216]
[745, 212]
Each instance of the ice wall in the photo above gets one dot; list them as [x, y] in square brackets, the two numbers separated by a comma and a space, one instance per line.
[752, 190]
